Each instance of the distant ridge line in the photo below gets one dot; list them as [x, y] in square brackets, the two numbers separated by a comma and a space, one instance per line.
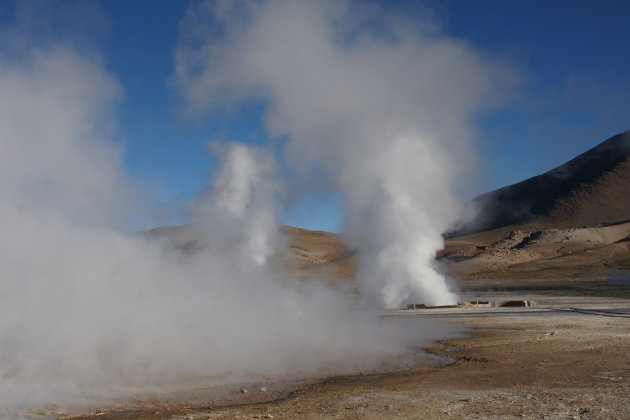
[593, 187]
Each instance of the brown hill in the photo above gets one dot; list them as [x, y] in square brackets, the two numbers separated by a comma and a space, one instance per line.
[568, 223]
[590, 189]
[309, 251]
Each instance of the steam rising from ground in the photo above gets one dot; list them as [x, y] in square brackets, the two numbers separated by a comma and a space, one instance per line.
[380, 107]
[86, 310]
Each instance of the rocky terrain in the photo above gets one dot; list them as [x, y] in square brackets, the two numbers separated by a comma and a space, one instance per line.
[522, 253]
[569, 223]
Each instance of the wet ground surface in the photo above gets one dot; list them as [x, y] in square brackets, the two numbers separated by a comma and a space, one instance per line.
[548, 303]
[205, 393]
[568, 357]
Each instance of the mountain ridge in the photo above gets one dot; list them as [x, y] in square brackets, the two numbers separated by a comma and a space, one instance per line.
[592, 188]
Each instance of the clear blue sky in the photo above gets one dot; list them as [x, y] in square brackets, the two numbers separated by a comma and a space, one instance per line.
[574, 57]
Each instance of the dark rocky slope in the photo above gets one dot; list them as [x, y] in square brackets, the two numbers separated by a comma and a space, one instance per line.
[592, 188]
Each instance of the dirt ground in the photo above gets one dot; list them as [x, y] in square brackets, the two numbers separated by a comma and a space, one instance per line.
[568, 358]
[525, 253]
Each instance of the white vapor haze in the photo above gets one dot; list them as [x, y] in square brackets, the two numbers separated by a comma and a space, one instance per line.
[239, 212]
[88, 313]
[379, 106]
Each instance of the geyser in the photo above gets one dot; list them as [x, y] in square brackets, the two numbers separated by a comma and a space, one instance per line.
[378, 105]
[89, 313]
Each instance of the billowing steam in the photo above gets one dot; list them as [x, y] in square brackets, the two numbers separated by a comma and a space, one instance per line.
[381, 107]
[88, 312]
[375, 105]
[239, 213]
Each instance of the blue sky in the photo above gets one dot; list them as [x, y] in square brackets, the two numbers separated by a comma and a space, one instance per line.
[575, 92]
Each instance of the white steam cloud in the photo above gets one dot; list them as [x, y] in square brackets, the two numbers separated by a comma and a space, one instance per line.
[242, 195]
[88, 313]
[380, 107]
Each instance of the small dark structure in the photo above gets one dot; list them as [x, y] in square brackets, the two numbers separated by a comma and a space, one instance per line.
[423, 306]
[479, 304]
[516, 303]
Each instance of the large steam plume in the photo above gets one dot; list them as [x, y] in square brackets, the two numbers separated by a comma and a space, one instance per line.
[379, 106]
[86, 310]
[89, 312]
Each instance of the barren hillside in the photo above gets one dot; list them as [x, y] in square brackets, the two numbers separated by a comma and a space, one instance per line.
[592, 188]
[568, 223]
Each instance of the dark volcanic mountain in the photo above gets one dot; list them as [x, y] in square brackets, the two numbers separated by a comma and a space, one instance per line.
[590, 189]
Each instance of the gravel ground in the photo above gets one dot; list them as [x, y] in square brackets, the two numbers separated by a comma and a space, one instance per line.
[568, 358]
